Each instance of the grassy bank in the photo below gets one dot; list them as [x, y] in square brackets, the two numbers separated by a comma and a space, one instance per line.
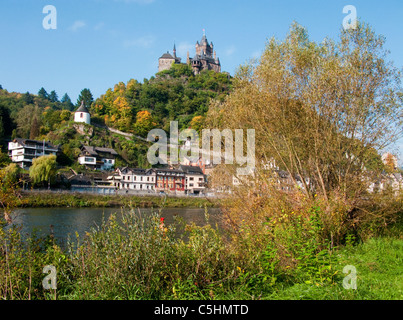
[140, 259]
[79, 200]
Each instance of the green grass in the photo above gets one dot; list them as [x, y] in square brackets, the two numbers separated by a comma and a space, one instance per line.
[49, 199]
[379, 265]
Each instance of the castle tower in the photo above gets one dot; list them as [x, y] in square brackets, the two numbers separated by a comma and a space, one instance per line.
[206, 57]
[166, 60]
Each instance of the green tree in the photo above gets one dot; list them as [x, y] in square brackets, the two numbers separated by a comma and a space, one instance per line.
[24, 119]
[9, 190]
[43, 170]
[28, 98]
[6, 121]
[14, 134]
[34, 128]
[85, 96]
[53, 96]
[10, 174]
[43, 94]
[66, 102]
[65, 115]
[1, 129]
[4, 159]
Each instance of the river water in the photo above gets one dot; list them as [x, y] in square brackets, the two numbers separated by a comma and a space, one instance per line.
[62, 222]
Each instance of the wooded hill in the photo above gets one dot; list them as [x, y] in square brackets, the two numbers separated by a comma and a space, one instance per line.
[172, 95]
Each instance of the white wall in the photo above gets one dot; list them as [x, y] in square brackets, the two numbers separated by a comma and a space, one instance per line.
[82, 117]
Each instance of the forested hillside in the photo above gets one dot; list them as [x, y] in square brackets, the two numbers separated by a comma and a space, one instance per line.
[176, 94]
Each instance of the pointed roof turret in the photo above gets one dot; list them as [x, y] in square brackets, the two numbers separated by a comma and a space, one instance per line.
[204, 38]
[82, 108]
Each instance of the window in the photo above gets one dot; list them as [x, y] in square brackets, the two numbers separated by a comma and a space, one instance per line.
[191, 185]
[81, 115]
[191, 179]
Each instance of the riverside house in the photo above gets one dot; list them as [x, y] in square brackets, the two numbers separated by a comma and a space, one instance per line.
[170, 181]
[195, 179]
[96, 158]
[23, 151]
[133, 179]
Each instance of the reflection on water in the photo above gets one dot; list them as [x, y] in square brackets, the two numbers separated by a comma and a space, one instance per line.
[67, 221]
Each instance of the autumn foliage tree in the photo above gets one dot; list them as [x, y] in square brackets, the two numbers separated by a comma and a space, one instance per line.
[144, 123]
[322, 113]
[9, 190]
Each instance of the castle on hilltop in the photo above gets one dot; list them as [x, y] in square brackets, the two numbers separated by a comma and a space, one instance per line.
[205, 58]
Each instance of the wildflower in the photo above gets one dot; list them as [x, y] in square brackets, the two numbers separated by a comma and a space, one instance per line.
[162, 226]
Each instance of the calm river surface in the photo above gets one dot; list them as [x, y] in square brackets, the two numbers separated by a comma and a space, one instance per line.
[67, 221]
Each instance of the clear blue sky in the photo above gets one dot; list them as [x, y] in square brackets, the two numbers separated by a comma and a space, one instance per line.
[99, 43]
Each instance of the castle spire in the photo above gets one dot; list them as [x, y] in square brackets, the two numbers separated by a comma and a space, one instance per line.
[174, 50]
[204, 38]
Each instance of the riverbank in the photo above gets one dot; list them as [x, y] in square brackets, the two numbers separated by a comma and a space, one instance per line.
[81, 200]
[140, 261]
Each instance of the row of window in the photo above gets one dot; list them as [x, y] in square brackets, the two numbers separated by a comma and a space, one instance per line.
[169, 178]
[198, 185]
[135, 186]
[170, 186]
[128, 178]
[106, 161]
[192, 179]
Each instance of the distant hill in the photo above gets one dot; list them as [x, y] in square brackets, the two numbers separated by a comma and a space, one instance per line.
[174, 94]
[136, 108]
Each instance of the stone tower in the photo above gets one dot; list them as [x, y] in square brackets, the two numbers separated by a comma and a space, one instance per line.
[206, 57]
[166, 60]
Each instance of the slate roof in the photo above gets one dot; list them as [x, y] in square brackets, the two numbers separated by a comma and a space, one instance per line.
[82, 108]
[191, 169]
[93, 151]
[24, 142]
[167, 56]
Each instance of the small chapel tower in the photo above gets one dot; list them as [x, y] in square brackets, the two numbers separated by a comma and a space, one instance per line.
[82, 114]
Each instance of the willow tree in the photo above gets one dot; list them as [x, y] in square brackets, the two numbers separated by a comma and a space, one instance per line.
[43, 170]
[9, 190]
[322, 111]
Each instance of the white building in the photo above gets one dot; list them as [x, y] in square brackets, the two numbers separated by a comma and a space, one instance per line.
[23, 151]
[134, 179]
[96, 158]
[195, 179]
[82, 115]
